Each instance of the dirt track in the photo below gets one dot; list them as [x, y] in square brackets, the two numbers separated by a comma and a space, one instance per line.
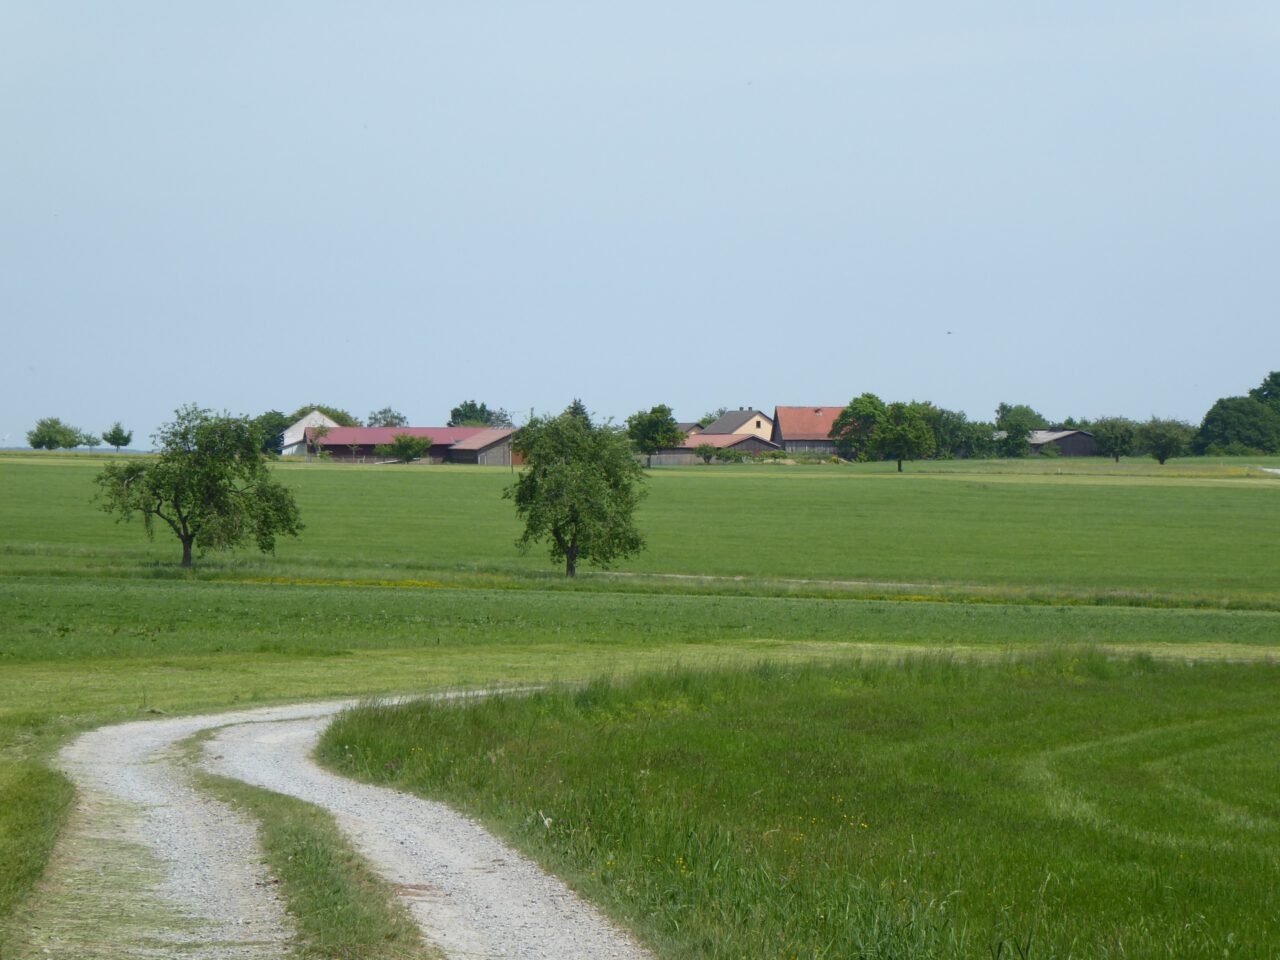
[150, 867]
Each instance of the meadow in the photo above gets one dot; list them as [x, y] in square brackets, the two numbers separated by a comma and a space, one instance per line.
[407, 579]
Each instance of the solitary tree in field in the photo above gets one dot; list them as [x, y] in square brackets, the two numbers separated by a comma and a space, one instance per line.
[903, 433]
[210, 485]
[654, 430]
[117, 436]
[1164, 438]
[1113, 436]
[578, 490]
[50, 433]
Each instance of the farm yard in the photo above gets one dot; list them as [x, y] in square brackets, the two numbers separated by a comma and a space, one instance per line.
[978, 709]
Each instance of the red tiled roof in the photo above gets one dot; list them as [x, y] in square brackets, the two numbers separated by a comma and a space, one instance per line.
[804, 423]
[366, 436]
[719, 440]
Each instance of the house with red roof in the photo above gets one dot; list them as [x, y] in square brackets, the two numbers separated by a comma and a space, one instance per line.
[805, 429]
[485, 446]
[686, 454]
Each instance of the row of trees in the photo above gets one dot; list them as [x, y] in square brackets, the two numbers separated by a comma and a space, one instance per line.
[50, 433]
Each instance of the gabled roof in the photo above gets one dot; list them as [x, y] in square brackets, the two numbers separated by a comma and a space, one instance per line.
[366, 436]
[1040, 437]
[689, 427]
[732, 420]
[294, 432]
[721, 440]
[485, 438]
[804, 423]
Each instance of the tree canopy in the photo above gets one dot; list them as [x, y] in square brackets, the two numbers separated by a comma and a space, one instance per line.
[117, 436]
[1113, 436]
[336, 414]
[578, 490]
[1016, 421]
[272, 426]
[50, 433]
[387, 417]
[853, 426]
[471, 414]
[1240, 425]
[1164, 439]
[1269, 390]
[404, 447]
[903, 433]
[654, 430]
[210, 484]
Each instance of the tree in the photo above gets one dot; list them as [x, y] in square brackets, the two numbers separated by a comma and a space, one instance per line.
[117, 436]
[578, 490]
[578, 409]
[903, 433]
[706, 451]
[654, 430]
[471, 414]
[404, 447]
[711, 416]
[87, 439]
[1269, 390]
[316, 436]
[1016, 421]
[1164, 438]
[386, 417]
[50, 433]
[210, 484]
[336, 414]
[272, 426]
[854, 425]
[1113, 436]
[1246, 424]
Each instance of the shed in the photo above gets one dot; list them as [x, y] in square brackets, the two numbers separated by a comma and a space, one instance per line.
[805, 429]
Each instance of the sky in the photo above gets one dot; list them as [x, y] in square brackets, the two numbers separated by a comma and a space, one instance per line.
[255, 206]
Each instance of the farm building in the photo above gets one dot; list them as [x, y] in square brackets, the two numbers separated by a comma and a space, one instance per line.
[743, 421]
[293, 442]
[684, 454]
[481, 445]
[805, 429]
[1070, 443]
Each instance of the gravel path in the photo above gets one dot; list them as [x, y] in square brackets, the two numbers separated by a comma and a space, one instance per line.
[150, 867]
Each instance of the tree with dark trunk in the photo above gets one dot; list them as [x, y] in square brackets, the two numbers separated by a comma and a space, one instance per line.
[1113, 436]
[210, 485]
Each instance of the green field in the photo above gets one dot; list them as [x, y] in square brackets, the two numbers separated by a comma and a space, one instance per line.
[407, 579]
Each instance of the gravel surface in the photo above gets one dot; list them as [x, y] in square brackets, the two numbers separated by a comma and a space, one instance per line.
[204, 891]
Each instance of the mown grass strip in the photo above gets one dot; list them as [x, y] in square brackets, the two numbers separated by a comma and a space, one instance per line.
[1060, 805]
[34, 803]
[343, 911]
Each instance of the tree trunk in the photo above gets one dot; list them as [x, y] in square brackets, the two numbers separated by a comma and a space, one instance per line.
[899, 466]
[1117, 458]
[186, 550]
[571, 561]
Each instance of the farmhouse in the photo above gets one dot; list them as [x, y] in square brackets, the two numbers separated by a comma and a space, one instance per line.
[743, 421]
[684, 454]
[1070, 443]
[481, 445]
[805, 429]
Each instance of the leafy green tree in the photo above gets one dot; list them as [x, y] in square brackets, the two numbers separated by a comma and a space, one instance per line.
[1015, 422]
[903, 433]
[117, 436]
[579, 409]
[654, 430]
[711, 416]
[1164, 439]
[854, 425]
[210, 484]
[706, 451]
[1113, 436]
[578, 490]
[1269, 390]
[404, 447]
[387, 417]
[89, 440]
[50, 433]
[272, 426]
[471, 414]
[316, 437]
[336, 414]
[1240, 423]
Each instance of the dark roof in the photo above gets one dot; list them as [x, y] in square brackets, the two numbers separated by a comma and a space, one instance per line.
[689, 427]
[722, 440]
[732, 420]
[804, 423]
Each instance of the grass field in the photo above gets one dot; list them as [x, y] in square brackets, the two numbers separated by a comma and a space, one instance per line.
[407, 579]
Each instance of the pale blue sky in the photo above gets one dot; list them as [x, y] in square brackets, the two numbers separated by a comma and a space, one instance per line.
[252, 205]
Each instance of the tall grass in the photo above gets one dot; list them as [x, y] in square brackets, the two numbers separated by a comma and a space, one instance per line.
[1062, 805]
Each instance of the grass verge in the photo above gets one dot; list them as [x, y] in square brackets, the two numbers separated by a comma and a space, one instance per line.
[1057, 805]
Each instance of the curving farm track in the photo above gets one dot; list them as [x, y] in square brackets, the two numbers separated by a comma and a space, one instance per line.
[150, 867]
